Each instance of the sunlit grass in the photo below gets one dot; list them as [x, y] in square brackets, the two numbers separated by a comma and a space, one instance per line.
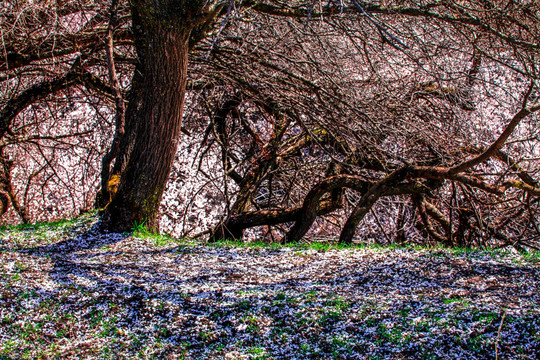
[49, 232]
[29, 235]
[53, 225]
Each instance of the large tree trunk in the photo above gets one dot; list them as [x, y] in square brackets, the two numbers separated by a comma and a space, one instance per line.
[158, 119]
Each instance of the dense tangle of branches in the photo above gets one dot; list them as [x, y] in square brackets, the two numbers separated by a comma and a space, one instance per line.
[367, 121]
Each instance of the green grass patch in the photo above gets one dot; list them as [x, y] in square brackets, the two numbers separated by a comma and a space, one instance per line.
[533, 256]
[53, 225]
[140, 231]
[320, 246]
[49, 232]
[29, 235]
[456, 299]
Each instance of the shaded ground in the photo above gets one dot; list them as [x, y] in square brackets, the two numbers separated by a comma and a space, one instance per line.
[69, 293]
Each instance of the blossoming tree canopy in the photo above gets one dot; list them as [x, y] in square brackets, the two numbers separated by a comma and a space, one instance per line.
[353, 119]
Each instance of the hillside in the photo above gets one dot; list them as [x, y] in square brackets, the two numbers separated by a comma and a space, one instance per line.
[67, 292]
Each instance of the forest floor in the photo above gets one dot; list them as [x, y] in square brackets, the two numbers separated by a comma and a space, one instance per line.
[68, 292]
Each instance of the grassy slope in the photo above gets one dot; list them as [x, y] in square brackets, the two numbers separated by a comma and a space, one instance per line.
[67, 292]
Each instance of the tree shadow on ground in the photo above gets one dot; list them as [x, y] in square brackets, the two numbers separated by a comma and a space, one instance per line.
[91, 239]
[199, 299]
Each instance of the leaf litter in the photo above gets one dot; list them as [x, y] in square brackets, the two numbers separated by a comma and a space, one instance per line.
[69, 292]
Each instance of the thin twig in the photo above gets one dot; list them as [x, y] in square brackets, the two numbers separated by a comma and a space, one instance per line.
[499, 336]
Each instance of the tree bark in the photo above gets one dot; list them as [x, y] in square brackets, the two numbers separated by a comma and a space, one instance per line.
[308, 212]
[161, 33]
[120, 112]
[366, 202]
[158, 119]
